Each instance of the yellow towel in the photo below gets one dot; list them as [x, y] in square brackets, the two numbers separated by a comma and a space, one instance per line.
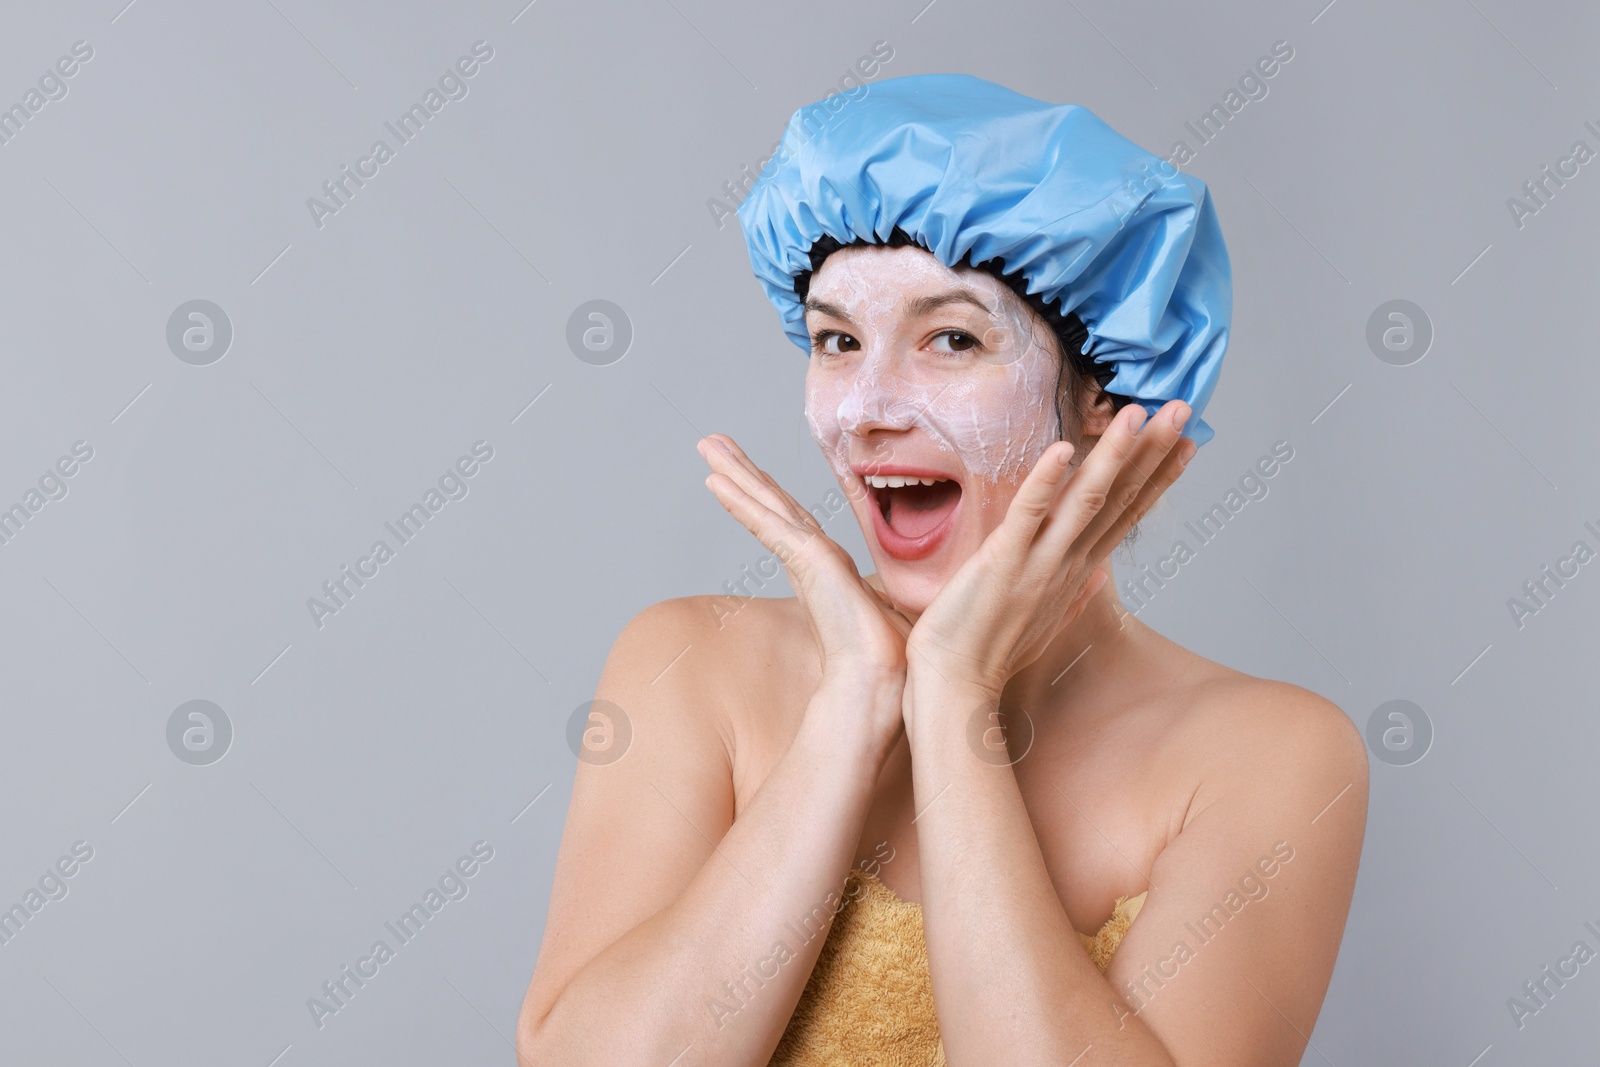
[870, 996]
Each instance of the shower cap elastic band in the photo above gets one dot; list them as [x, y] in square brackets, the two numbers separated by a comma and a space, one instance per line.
[975, 172]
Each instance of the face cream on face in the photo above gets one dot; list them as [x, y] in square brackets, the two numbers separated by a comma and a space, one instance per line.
[986, 410]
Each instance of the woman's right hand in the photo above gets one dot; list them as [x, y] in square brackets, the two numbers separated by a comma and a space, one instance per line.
[861, 637]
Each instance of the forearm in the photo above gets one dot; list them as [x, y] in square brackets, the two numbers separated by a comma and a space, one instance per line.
[719, 971]
[1008, 968]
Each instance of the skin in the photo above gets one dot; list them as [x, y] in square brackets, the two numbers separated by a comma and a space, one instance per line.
[778, 742]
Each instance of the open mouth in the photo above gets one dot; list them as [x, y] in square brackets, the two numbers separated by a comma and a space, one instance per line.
[915, 512]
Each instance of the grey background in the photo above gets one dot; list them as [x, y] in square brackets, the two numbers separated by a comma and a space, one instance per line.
[429, 313]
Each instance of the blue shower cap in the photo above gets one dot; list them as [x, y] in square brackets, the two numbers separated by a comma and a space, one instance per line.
[1095, 224]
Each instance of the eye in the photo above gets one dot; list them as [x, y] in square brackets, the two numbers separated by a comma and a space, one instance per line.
[954, 341]
[833, 343]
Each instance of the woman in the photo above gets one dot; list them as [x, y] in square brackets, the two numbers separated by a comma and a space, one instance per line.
[965, 809]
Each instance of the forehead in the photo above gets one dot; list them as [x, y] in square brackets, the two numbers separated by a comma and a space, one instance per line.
[875, 274]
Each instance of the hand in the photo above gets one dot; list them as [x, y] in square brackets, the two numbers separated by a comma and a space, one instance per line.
[1036, 571]
[860, 636]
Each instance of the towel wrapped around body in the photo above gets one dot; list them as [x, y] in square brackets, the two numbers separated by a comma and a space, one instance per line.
[870, 997]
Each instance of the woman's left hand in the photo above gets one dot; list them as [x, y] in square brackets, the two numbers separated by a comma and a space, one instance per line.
[1036, 571]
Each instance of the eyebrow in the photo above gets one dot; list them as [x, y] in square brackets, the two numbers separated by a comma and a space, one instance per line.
[926, 305]
[831, 310]
[915, 307]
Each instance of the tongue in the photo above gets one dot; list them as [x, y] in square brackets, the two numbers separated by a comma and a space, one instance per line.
[916, 509]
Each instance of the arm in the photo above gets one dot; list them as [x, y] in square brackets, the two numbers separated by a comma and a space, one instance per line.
[666, 913]
[1008, 970]
[1262, 842]
[1005, 962]
[1263, 870]
[677, 933]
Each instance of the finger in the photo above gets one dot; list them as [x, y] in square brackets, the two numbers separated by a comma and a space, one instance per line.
[771, 528]
[1172, 465]
[1108, 482]
[1152, 447]
[1097, 578]
[1088, 489]
[1034, 496]
[725, 456]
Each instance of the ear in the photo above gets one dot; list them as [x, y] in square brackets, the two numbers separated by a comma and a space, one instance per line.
[1096, 417]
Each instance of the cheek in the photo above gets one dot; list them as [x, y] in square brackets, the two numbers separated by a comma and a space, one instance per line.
[1003, 423]
[823, 398]
[990, 505]
[1035, 397]
[1035, 377]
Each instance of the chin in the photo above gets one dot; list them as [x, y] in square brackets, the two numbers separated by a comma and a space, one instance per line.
[910, 593]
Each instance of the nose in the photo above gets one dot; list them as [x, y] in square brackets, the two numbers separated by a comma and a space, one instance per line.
[879, 398]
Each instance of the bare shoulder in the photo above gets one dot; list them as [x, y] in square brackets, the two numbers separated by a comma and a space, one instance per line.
[724, 653]
[1267, 737]
[723, 630]
[1265, 717]
[1275, 821]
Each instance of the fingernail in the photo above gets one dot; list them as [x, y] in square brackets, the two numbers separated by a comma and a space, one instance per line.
[1139, 417]
[1181, 416]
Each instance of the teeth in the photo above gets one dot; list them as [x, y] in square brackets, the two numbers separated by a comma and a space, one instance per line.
[897, 481]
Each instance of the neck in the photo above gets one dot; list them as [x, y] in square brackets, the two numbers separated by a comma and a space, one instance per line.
[1088, 649]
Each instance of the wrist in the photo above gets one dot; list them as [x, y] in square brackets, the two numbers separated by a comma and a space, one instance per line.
[855, 715]
[934, 660]
[872, 688]
[932, 680]
[943, 703]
